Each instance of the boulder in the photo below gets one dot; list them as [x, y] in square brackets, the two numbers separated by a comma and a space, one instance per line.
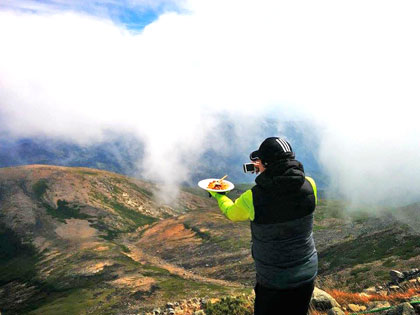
[402, 309]
[156, 311]
[199, 312]
[416, 308]
[335, 311]
[321, 300]
[396, 276]
[356, 308]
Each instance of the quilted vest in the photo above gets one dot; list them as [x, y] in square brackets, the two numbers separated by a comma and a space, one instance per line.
[282, 241]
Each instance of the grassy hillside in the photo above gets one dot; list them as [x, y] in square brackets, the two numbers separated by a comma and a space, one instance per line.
[78, 239]
[69, 238]
[358, 246]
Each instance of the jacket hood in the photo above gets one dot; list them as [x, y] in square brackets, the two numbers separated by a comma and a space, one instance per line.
[282, 176]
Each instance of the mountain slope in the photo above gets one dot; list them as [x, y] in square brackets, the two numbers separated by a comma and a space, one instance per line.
[65, 228]
[78, 240]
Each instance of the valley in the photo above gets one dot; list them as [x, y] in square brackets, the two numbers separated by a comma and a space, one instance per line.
[86, 241]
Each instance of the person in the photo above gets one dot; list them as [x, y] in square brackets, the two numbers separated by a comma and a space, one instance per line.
[280, 208]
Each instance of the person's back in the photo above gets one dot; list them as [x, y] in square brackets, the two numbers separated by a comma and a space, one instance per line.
[280, 207]
[283, 247]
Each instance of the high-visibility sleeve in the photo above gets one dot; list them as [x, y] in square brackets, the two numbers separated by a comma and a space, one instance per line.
[240, 210]
[311, 180]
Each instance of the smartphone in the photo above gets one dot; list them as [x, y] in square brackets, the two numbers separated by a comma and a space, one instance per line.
[249, 168]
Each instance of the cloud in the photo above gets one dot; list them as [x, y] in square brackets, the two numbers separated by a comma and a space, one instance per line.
[351, 68]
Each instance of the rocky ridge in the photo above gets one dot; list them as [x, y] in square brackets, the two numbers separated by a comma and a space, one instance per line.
[392, 299]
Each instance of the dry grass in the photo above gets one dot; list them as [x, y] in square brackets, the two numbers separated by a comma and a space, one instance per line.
[345, 298]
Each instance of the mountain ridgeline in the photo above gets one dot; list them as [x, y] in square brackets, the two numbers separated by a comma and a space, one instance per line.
[79, 240]
[121, 153]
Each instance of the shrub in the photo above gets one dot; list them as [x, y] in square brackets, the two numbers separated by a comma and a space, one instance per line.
[356, 271]
[230, 305]
[65, 211]
[389, 263]
[39, 188]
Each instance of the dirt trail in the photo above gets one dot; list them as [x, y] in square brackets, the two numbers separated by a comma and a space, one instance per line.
[140, 256]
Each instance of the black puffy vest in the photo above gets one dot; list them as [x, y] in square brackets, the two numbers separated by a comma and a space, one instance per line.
[283, 247]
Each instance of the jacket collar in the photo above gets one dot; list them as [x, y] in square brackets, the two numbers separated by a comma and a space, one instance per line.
[282, 176]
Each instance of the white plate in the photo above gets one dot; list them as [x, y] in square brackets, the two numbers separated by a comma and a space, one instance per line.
[205, 182]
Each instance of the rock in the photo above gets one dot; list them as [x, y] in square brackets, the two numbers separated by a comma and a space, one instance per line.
[383, 292]
[156, 311]
[402, 309]
[169, 305]
[370, 290]
[321, 300]
[171, 311]
[356, 308]
[363, 294]
[335, 311]
[200, 312]
[394, 288]
[416, 306]
[396, 276]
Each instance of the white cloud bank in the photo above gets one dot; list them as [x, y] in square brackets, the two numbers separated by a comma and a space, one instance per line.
[351, 67]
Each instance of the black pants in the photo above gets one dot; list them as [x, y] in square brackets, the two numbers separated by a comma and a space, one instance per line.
[276, 302]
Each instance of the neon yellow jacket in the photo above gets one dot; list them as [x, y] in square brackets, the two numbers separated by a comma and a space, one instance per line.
[243, 207]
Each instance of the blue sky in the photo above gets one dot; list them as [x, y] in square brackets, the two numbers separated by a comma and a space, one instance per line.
[133, 14]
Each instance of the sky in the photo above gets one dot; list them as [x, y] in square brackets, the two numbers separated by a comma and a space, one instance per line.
[173, 72]
[131, 14]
